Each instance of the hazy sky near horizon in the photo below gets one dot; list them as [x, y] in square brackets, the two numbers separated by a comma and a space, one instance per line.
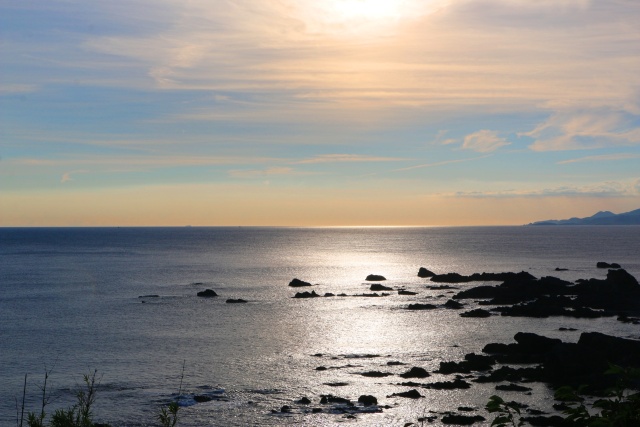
[334, 112]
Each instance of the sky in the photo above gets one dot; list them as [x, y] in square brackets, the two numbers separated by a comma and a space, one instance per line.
[317, 113]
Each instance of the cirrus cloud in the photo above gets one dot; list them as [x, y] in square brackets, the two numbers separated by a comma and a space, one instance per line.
[484, 141]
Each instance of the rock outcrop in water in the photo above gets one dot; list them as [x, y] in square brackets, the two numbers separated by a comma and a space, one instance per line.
[532, 357]
[297, 283]
[375, 278]
[208, 293]
[551, 296]
[424, 273]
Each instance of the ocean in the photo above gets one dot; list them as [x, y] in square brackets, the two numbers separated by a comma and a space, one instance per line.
[123, 301]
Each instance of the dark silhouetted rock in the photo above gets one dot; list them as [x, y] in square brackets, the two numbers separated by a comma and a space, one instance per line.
[482, 277]
[507, 373]
[453, 304]
[329, 294]
[462, 420]
[367, 400]
[297, 283]
[415, 372]
[533, 343]
[541, 421]
[561, 269]
[512, 387]
[421, 307]
[236, 301]
[424, 273]
[334, 399]
[411, 394]
[208, 293]
[478, 312]
[450, 278]
[311, 294]
[337, 384]
[378, 287]
[603, 264]
[447, 368]
[373, 295]
[449, 385]
[405, 292]
[441, 287]
[375, 374]
[375, 278]
[304, 401]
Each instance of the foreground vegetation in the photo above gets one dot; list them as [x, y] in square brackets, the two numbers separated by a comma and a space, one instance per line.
[80, 414]
[620, 407]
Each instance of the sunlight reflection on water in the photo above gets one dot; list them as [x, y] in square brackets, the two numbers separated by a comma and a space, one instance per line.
[86, 291]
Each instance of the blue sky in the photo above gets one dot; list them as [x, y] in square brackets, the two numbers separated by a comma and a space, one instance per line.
[342, 112]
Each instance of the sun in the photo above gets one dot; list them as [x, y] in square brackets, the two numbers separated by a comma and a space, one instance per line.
[367, 10]
[363, 16]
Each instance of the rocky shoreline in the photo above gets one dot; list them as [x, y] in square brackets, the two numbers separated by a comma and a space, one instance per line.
[512, 366]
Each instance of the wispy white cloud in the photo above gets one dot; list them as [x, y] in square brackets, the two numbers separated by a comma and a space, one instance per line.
[11, 89]
[577, 130]
[484, 141]
[68, 176]
[508, 55]
[143, 161]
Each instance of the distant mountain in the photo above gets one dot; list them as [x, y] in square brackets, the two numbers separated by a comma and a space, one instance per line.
[600, 218]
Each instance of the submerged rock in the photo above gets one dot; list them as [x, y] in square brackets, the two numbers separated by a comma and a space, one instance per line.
[236, 301]
[405, 292]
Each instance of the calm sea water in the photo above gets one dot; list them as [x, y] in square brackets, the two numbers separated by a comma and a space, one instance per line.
[70, 303]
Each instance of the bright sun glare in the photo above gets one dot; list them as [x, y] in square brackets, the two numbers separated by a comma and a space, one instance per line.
[357, 16]
[366, 9]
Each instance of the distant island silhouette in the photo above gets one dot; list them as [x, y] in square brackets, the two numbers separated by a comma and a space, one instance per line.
[600, 218]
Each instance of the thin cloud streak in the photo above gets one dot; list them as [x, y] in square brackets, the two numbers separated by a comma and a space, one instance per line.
[600, 158]
[347, 158]
[605, 189]
[445, 162]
